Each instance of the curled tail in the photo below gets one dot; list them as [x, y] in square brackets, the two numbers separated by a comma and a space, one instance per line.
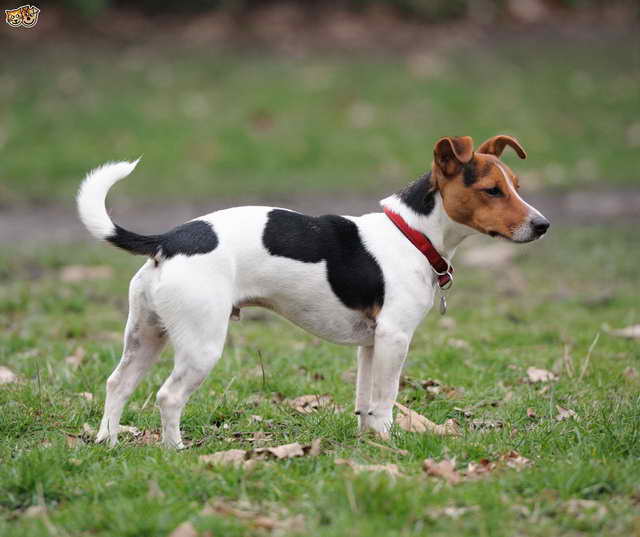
[93, 213]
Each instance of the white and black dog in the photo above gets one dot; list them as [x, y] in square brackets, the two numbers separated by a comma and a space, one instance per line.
[360, 281]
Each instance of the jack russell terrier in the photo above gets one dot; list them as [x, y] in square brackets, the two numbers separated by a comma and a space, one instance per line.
[366, 281]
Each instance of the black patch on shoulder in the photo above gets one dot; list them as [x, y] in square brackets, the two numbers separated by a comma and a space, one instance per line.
[195, 237]
[191, 238]
[419, 195]
[469, 172]
[353, 273]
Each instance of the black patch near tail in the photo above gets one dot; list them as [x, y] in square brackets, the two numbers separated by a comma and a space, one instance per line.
[353, 273]
[196, 237]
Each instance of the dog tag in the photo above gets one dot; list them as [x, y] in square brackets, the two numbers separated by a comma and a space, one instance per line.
[443, 305]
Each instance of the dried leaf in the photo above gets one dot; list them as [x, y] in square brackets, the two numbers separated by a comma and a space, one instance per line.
[413, 422]
[486, 424]
[513, 459]
[630, 332]
[459, 344]
[88, 431]
[130, 429]
[72, 441]
[445, 469]
[531, 413]
[80, 273]
[565, 414]
[451, 512]
[286, 451]
[249, 513]
[185, 529]
[630, 373]
[86, 395]
[480, 468]
[391, 469]
[306, 404]
[7, 376]
[234, 457]
[76, 358]
[535, 374]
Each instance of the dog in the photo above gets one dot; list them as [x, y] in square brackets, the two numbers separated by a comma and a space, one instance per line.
[366, 281]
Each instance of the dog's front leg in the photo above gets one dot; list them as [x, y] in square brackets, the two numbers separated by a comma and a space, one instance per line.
[364, 384]
[389, 353]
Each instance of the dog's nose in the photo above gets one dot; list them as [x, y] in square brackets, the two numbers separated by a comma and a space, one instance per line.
[540, 225]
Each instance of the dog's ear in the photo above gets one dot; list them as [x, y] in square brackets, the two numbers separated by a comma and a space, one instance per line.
[495, 146]
[450, 153]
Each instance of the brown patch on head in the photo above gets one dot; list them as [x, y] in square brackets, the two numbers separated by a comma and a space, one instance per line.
[479, 192]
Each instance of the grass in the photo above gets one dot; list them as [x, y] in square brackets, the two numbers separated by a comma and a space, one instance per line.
[244, 124]
[556, 293]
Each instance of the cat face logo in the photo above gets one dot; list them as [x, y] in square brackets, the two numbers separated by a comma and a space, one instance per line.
[23, 16]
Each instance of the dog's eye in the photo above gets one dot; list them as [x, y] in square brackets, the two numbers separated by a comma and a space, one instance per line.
[494, 192]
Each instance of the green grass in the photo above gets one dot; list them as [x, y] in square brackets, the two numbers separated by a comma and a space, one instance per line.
[558, 292]
[244, 124]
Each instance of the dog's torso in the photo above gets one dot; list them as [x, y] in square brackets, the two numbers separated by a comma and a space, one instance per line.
[331, 275]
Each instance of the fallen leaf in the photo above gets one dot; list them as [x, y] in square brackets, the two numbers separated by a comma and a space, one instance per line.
[391, 469]
[7, 376]
[513, 459]
[630, 372]
[565, 414]
[459, 344]
[286, 451]
[451, 511]
[72, 441]
[413, 422]
[86, 395]
[531, 413]
[76, 358]
[630, 332]
[277, 520]
[148, 437]
[447, 323]
[535, 374]
[486, 424]
[80, 273]
[445, 469]
[234, 457]
[479, 469]
[306, 404]
[130, 429]
[88, 431]
[185, 529]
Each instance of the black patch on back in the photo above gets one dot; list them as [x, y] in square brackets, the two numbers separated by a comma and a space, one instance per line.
[419, 195]
[196, 237]
[191, 238]
[469, 172]
[353, 273]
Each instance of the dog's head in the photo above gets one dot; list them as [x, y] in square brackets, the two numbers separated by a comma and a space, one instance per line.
[480, 191]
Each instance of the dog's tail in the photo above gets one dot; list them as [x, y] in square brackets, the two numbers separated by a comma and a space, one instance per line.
[93, 213]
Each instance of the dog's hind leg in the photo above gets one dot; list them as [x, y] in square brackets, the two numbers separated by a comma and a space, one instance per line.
[143, 341]
[197, 320]
[364, 385]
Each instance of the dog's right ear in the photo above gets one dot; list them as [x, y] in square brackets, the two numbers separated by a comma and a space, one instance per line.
[450, 153]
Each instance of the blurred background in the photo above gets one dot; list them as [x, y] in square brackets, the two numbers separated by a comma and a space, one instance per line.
[324, 106]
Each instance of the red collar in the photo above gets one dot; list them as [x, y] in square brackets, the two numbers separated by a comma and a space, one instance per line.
[439, 264]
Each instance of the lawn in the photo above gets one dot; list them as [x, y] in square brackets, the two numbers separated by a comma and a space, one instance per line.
[213, 123]
[550, 301]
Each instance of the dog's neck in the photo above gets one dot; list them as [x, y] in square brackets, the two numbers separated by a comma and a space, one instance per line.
[422, 208]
